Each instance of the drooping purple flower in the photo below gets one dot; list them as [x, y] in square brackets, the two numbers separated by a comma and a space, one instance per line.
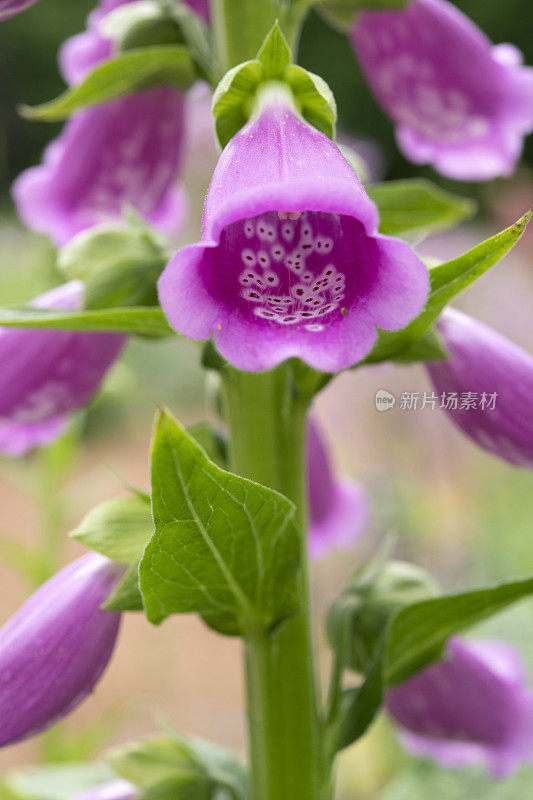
[56, 646]
[289, 262]
[338, 508]
[458, 102]
[125, 153]
[472, 707]
[486, 387]
[9, 8]
[112, 790]
[48, 374]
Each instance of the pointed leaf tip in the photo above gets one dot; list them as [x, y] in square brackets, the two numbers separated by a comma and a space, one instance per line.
[274, 54]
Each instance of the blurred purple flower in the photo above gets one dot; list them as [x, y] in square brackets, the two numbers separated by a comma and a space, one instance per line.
[290, 262]
[499, 376]
[123, 153]
[56, 646]
[8, 8]
[338, 508]
[458, 102]
[112, 790]
[48, 374]
[473, 707]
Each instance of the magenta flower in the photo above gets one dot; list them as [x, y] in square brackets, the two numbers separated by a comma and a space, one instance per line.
[458, 102]
[9, 8]
[123, 153]
[112, 790]
[473, 707]
[56, 646]
[338, 509]
[486, 387]
[290, 263]
[47, 374]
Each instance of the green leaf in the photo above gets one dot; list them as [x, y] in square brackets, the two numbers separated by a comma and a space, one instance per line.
[211, 441]
[118, 528]
[223, 545]
[428, 348]
[414, 208]
[446, 281]
[127, 594]
[274, 54]
[127, 72]
[179, 769]
[414, 638]
[55, 781]
[143, 320]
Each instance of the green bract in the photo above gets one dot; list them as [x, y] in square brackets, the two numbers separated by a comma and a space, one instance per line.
[234, 98]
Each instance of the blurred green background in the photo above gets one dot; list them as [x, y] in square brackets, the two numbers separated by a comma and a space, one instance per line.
[451, 507]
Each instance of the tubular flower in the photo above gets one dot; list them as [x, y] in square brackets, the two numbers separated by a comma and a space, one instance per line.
[290, 262]
[46, 374]
[488, 384]
[473, 707]
[338, 509]
[124, 153]
[55, 648]
[112, 790]
[458, 102]
[9, 8]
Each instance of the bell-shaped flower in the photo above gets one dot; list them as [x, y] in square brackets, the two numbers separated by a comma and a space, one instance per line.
[9, 8]
[112, 790]
[56, 646]
[290, 262]
[474, 707]
[122, 154]
[486, 387]
[48, 374]
[458, 102]
[338, 508]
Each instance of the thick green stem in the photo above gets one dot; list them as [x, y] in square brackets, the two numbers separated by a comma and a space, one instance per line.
[267, 423]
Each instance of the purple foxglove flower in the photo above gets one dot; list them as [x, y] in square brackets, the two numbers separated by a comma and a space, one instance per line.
[473, 707]
[112, 790]
[47, 374]
[9, 8]
[56, 646]
[119, 154]
[290, 262]
[338, 508]
[486, 387]
[458, 102]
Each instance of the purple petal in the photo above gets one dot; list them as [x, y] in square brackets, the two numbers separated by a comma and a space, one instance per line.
[458, 102]
[338, 509]
[113, 790]
[55, 647]
[131, 150]
[500, 376]
[466, 710]
[9, 8]
[48, 374]
[290, 263]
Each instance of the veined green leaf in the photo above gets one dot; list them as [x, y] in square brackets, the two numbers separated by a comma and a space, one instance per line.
[140, 320]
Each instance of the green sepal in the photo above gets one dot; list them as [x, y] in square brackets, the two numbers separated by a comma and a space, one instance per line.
[414, 638]
[117, 528]
[415, 208]
[235, 96]
[224, 546]
[447, 280]
[132, 71]
[126, 595]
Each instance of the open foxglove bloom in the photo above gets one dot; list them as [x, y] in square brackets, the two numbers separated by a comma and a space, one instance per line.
[47, 374]
[9, 8]
[338, 508]
[55, 648]
[125, 153]
[472, 707]
[290, 262]
[488, 383]
[458, 102]
[112, 790]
